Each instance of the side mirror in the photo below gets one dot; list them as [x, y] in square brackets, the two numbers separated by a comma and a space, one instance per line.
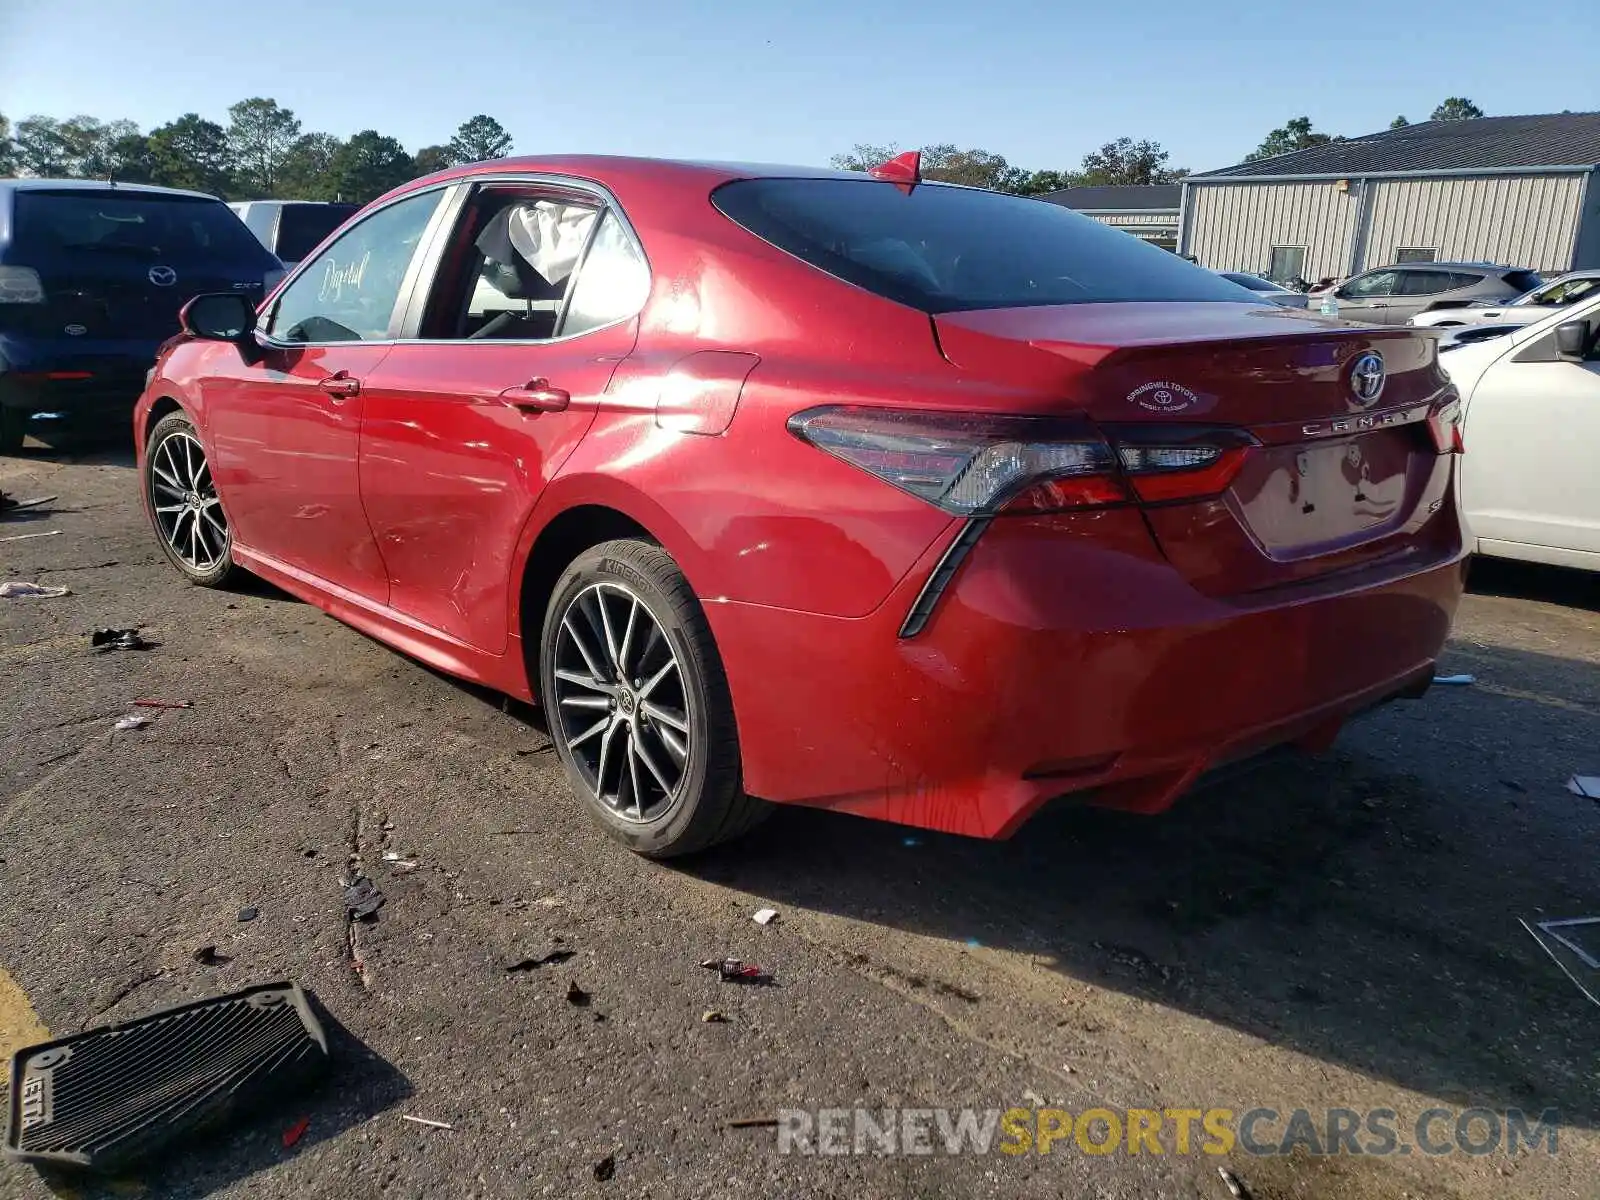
[1572, 340]
[219, 317]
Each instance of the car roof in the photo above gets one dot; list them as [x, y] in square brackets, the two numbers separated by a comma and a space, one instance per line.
[96, 185]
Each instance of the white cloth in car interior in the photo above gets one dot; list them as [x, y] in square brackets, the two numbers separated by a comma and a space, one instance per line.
[547, 235]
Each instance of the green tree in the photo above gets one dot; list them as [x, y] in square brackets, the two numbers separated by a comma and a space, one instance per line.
[1296, 134]
[1399, 123]
[306, 172]
[1040, 183]
[261, 135]
[433, 158]
[40, 148]
[128, 155]
[8, 150]
[944, 162]
[192, 152]
[368, 165]
[1456, 108]
[1126, 161]
[479, 139]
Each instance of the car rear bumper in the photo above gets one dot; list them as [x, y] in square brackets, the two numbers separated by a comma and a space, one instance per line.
[50, 381]
[1063, 660]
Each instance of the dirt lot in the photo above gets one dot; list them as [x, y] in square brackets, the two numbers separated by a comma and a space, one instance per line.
[1338, 932]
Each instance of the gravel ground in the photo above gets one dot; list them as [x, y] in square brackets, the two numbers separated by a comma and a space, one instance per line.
[1331, 932]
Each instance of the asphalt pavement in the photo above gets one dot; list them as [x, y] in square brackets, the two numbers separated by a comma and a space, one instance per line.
[1337, 932]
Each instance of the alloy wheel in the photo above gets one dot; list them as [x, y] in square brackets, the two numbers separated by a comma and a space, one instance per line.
[187, 509]
[621, 703]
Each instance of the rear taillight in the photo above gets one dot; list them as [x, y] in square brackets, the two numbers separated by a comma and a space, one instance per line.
[1444, 426]
[972, 464]
[20, 285]
[1179, 462]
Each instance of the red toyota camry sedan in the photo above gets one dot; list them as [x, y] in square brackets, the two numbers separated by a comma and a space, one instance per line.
[774, 485]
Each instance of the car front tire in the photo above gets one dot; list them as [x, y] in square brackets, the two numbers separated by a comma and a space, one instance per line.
[638, 705]
[184, 506]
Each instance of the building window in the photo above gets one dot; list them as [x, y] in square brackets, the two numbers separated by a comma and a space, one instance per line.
[1415, 254]
[1287, 262]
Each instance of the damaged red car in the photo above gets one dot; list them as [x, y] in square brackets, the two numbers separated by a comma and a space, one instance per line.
[890, 497]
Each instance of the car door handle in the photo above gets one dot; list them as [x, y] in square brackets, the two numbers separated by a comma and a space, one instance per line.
[341, 384]
[1379, 304]
[537, 396]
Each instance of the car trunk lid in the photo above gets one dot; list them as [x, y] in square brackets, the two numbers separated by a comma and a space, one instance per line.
[1348, 461]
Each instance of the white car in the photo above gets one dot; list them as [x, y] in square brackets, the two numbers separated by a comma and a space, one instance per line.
[1530, 488]
[1524, 310]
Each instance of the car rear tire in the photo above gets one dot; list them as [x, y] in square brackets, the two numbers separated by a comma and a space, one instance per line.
[184, 507]
[638, 705]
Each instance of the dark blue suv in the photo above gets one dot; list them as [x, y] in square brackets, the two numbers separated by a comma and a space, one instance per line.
[92, 276]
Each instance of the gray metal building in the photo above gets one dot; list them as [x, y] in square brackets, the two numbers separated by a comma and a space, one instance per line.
[1148, 211]
[1523, 191]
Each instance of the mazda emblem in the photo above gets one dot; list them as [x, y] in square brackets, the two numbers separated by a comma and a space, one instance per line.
[163, 276]
[1367, 377]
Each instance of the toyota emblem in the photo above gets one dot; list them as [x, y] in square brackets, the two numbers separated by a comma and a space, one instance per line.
[1367, 377]
[163, 276]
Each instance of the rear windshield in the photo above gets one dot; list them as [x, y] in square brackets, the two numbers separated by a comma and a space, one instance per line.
[946, 249]
[1523, 281]
[302, 227]
[143, 225]
[1254, 282]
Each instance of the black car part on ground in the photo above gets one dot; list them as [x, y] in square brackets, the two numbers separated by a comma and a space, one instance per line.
[102, 1099]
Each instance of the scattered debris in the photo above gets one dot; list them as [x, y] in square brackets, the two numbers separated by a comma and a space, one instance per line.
[118, 639]
[576, 995]
[138, 1086]
[207, 956]
[753, 1123]
[765, 916]
[295, 1132]
[1550, 927]
[712, 1017]
[544, 960]
[163, 703]
[1585, 785]
[1555, 958]
[425, 1121]
[362, 899]
[133, 721]
[732, 970]
[16, 589]
[1236, 1187]
[1033, 1098]
[22, 537]
[9, 504]
[248, 914]
[1455, 680]
[605, 1168]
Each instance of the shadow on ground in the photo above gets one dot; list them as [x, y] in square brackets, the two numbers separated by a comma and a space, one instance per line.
[360, 1086]
[1360, 908]
[1532, 581]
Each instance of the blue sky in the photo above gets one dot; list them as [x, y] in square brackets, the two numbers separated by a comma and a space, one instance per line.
[785, 82]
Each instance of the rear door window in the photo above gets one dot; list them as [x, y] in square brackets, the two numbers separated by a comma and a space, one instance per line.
[130, 224]
[1523, 281]
[947, 249]
[1428, 283]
